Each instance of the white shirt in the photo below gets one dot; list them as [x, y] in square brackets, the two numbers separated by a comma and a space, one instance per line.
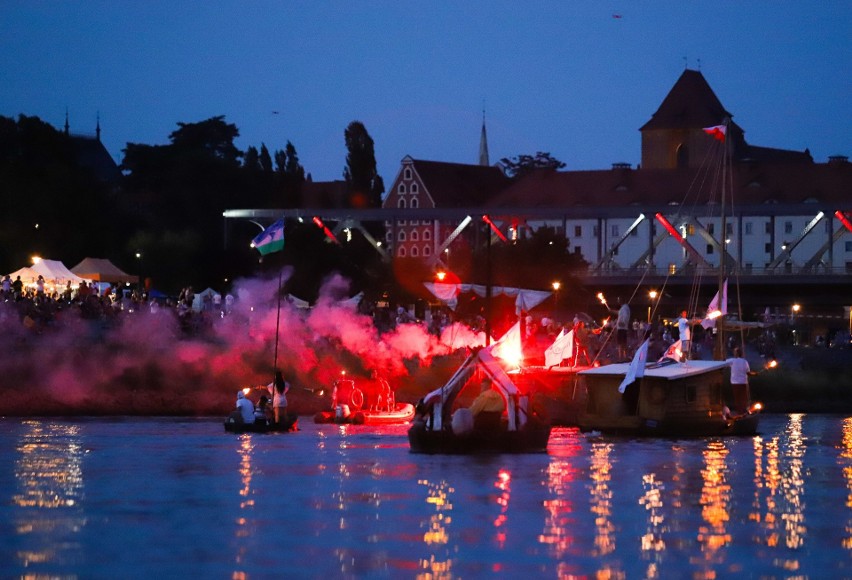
[623, 321]
[739, 370]
[684, 328]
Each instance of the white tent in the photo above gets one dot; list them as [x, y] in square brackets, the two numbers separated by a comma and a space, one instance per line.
[55, 272]
[206, 295]
[525, 300]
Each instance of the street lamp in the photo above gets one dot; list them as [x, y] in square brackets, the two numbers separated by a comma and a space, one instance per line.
[556, 286]
[652, 295]
[139, 257]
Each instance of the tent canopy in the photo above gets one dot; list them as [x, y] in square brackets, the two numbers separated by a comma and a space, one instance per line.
[102, 270]
[55, 272]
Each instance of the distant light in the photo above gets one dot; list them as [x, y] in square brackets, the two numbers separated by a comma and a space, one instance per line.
[301, 221]
[556, 285]
[36, 259]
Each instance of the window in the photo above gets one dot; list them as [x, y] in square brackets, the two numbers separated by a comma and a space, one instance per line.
[578, 251]
[401, 188]
[748, 228]
[414, 203]
[729, 229]
[709, 249]
[389, 236]
[407, 173]
[401, 204]
[711, 228]
[427, 250]
[849, 267]
[767, 228]
[414, 252]
[614, 230]
[849, 246]
[414, 222]
[401, 252]
[427, 235]
[767, 247]
[401, 236]
[578, 231]
[788, 227]
[415, 237]
[748, 267]
[414, 188]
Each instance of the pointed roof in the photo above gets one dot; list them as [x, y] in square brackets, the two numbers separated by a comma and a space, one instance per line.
[691, 103]
[458, 184]
[483, 144]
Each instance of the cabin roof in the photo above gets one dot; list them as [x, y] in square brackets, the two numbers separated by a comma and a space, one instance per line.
[669, 372]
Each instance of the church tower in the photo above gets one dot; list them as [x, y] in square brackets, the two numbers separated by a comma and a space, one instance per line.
[483, 144]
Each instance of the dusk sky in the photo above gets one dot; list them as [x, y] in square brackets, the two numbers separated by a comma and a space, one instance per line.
[575, 79]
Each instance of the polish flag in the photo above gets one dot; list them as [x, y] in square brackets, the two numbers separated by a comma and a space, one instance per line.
[718, 132]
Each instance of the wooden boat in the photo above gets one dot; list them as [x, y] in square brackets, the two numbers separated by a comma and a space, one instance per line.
[672, 398]
[233, 424]
[401, 413]
[433, 428]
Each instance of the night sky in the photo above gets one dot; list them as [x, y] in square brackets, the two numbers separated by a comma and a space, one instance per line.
[575, 79]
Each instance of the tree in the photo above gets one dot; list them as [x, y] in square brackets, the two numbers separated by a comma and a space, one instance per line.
[522, 165]
[265, 159]
[292, 174]
[365, 184]
[251, 160]
[212, 137]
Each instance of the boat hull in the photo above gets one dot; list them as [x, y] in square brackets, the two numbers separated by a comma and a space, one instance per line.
[532, 438]
[681, 400]
[233, 425]
[402, 413]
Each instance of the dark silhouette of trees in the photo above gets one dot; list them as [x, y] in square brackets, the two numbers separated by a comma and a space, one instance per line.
[517, 167]
[50, 204]
[365, 184]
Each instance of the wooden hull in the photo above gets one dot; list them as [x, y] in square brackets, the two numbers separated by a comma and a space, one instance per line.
[682, 400]
[402, 413]
[291, 423]
[532, 438]
[553, 393]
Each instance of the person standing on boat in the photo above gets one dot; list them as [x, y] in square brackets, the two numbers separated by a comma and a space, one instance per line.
[622, 326]
[684, 329]
[245, 408]
[740, 371]
[278, 389]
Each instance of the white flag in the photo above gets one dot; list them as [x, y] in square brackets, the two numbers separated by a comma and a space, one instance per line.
[561, 349]
[637, 367]
[717, 307]
[673, 352]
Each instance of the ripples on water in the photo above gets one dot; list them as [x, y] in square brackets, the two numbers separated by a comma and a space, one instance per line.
[107, 498]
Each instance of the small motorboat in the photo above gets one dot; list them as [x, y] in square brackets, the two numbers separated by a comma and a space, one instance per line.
[234, 424]
[400, 413]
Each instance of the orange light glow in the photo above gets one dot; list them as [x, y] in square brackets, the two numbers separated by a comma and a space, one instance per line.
[246, 390]
[714, 315]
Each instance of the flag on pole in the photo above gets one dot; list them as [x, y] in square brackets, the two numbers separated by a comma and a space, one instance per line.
[561, 349]
[673, 352]
[717, 131]
[271, 239]
[637, 367]
[718, 307]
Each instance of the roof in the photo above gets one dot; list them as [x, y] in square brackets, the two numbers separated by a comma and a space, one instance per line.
[753, 183]
[458, 184]
[102, 270]
[669, 372]
[691, 103]
[91, 154]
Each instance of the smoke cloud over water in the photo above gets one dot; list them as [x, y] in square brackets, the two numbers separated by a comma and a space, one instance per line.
[146, 363]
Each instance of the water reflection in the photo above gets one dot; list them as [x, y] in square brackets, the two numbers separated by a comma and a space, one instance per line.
[245, 522]
[715, 496]
[846, 464]
[437, 566]
[49, 488]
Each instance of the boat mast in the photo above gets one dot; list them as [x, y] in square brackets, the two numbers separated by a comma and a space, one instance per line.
[723, 233]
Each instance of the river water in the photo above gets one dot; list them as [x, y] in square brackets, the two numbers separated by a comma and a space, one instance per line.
[143, 497]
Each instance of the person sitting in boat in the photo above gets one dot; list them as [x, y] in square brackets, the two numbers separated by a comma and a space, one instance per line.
[379, 394]
[278, 389]
[261, 412]
[245, 408]
[487, 409]
[740, 371]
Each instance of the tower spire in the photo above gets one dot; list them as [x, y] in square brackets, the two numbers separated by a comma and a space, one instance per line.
[98, 128]
[483, 143]
[67, 126]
